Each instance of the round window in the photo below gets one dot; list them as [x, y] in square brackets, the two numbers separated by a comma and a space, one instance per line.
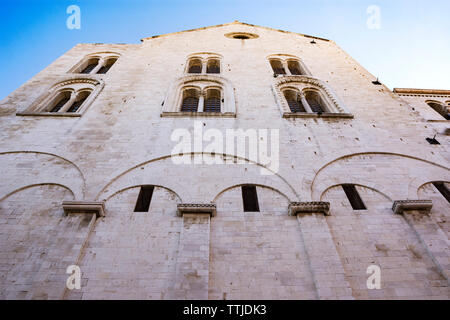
[241, 35]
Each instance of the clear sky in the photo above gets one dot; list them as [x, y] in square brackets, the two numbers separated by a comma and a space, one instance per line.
[411, 48]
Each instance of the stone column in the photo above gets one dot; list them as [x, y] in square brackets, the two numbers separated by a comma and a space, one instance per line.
[192, 267]
[432, 237]
[286, 68]
[305, 104]
[326, 266]
[204, 65]
[201, 103]
[69, 103]
[100, 64]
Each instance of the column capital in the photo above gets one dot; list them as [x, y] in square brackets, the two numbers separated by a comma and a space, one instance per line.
[399, 206]
[200, 208]
[81, 207]
[296, 208]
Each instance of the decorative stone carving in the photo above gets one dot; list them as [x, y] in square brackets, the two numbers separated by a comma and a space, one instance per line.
[83, 207]
[335, 105]
[296, 208]
[172, 102]
[399, 206]
[72, 83]
[202, 208]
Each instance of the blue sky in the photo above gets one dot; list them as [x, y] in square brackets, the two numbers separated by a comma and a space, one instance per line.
[411, 49]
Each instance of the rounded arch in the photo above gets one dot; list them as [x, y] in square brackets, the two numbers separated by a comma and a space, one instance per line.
[423, 185]
[73, 83]
[305, 81]
[126, 177]
[99, 55]
[204, 55]
[253, 184]
[73, 177]
[282, 56]
[141, 185]
[358, 185]
[440, 107]
[37, 185]
[173, 98]
[406, 177]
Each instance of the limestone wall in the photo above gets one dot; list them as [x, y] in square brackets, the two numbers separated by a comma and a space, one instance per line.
[121, 142]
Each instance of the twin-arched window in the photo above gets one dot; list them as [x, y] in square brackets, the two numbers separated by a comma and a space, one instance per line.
[287, 65]
[68, 100]
[98, 63]
[307, 100]
[441, 108]
[70, 97]
[197, 100]
[203, 63]
[309, 97]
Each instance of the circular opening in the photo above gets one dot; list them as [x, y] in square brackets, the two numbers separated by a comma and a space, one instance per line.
[241, 35]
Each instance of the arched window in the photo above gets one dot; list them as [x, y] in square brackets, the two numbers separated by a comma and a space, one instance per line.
[195, 66]
[79, 100]
[205, 95]
[293, 100]
[60, 101]
[315, 101]
[212, 100]
[440, 108]
[277, 67]
[213, 66]
[107, 65]
[190, 100]
[307, 97]
[294, 68]
[91, 65]
[68, 98]
[96, 63]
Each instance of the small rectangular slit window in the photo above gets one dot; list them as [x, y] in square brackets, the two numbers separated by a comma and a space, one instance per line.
[144, 199]
[442, 188]
[353, 196]
[432, 140]
[250, 199]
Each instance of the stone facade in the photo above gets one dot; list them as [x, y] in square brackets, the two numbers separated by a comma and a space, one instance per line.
[305, 242]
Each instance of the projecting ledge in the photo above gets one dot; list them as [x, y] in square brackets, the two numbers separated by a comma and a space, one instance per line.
[200, 208]
[81, 207]
[296, 208]
[317, 115]
[399, 206]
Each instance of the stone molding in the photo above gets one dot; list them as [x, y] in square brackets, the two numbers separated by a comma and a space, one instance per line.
[201, 208]
[399, 206]
[307, 82]
[316, 115]
[422, 92]
[80, 207]
[172, 101]
[74, 83]
[296, 208]
[102, 56]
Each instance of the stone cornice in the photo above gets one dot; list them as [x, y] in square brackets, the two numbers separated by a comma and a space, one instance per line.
[80, 207]
[296, 208]
[399, 206]
[201, 208]
[421, 92]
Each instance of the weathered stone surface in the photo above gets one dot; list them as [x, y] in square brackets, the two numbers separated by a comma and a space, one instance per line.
[121, 142]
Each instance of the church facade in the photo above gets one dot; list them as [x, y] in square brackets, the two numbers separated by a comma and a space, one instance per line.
[226, 162]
